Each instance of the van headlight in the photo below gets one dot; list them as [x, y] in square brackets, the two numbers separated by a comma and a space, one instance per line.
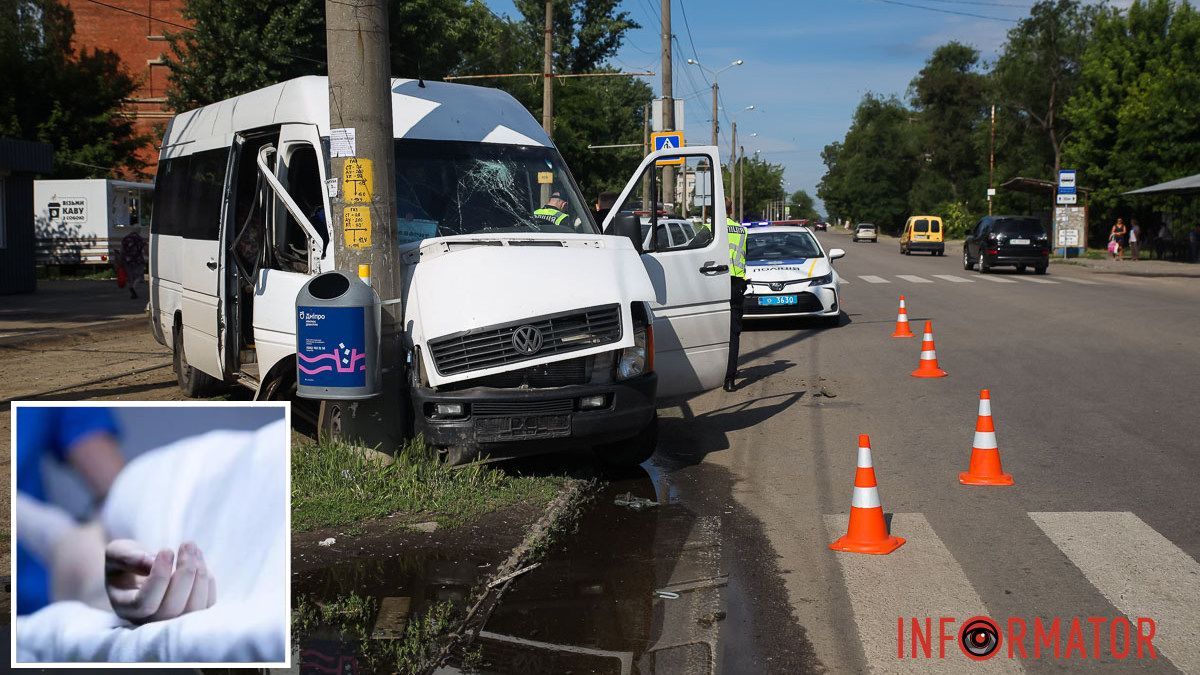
[821, 280]
[638, 359]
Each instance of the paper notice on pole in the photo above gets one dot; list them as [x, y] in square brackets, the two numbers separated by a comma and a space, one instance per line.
[341, 142]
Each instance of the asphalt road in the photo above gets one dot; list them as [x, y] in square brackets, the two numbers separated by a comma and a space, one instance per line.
[1095, 383]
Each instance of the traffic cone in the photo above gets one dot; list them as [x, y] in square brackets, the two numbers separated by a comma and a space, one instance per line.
[985, 466]
[928, 367]
[867, 532]
[902, 330]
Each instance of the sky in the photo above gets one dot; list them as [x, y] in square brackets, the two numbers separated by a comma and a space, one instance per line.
[807, 63]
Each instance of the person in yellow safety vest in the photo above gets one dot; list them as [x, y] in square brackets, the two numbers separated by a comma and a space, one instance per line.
[553, 210]
[737, 290]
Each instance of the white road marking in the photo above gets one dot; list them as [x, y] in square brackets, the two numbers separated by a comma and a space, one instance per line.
[1139, 571]
[920, 579]
[999, 280]
[1081, 281]
[1038, 280]
[915, 279]
[951, 277]
[872, 279]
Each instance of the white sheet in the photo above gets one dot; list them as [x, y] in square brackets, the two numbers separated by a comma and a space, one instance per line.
[227, 491]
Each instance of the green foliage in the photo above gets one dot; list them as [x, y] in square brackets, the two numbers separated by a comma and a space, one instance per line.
[236, 47]
[949, 94]
[870, 174]
[957, 219]
[334, 484]
[762, 182]
[802, 205]
[72, 99]
[1137, 108]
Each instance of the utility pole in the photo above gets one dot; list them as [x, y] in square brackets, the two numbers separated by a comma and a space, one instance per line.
[992, 160]
[364, 240]
[548, 84]
[715, 125]
[741, 185]
[734, 188]
[668, 104]
[648, 176]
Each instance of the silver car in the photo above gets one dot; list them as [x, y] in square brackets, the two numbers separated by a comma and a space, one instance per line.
[865, 232]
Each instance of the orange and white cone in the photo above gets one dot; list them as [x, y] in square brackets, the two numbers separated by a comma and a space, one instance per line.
[985, 466]
[867, 532]
[902, 329]
[928, 367]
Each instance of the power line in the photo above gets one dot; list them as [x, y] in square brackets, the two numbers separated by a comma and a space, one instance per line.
[981, 3]
[946, 11]
[696, 54]
[144, 16]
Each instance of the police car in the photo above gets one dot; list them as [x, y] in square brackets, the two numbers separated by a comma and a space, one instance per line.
[789, 274]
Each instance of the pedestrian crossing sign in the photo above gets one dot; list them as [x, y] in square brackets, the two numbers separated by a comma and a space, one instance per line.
[666, 140]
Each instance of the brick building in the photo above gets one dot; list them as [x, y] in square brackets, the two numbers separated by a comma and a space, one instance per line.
[134, 30]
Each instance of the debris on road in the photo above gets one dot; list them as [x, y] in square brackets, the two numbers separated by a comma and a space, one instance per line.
[667, 595]
[636, 503]
[327, 542]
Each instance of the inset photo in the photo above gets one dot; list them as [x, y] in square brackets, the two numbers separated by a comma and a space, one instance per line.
[151, 533]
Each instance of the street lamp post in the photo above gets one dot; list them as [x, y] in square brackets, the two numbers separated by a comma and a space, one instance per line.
[715, 89]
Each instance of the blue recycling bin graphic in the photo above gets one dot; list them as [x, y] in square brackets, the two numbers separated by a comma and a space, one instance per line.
[331, 347]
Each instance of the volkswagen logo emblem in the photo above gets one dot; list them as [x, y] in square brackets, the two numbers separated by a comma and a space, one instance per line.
[777, 286]
[527, 340]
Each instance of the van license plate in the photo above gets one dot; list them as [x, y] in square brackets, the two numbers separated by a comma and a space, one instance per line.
[1019, 242]
[522, 427]
[777, 300]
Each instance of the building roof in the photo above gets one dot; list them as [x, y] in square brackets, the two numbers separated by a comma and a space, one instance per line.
[17, 156]
[1179, 186]
[429, 110]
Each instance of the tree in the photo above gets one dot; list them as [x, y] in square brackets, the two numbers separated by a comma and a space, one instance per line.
[1038, 71]
[870, 174]
[73, 100]
[802, 205]
[1135, 110]
[273, 40]
[949, 94]
[763, 183]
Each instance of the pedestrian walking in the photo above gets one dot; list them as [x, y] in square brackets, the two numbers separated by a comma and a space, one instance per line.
[737, 291]
[1162, 243]
[1135, 240]
[1116, 238]
[133, 259]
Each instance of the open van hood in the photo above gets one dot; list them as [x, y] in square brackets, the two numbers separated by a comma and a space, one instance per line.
[460, 284]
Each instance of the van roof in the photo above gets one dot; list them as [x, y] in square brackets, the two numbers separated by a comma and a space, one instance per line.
[431, 111]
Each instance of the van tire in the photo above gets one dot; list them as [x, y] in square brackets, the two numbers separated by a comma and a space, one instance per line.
[192, 382]
[630, 452]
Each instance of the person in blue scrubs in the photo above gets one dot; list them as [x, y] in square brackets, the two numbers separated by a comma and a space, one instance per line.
[83, 438]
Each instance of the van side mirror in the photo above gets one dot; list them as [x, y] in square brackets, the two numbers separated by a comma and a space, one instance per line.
[627, 224]
[835, 253]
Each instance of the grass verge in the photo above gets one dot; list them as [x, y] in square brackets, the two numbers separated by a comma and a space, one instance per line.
[334, 484]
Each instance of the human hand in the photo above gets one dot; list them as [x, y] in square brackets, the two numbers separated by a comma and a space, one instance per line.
[143, 587]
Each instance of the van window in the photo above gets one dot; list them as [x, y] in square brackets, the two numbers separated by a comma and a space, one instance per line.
[206, 187]
[935, 226]
[170, 193]
[455, 187]
[303, 183]
[921, 225]
[250, 207]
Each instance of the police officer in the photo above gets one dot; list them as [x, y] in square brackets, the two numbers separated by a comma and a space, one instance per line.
[553, 210]
[737, 290]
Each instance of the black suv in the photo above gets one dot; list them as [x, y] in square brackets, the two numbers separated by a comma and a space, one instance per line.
[1019, 241]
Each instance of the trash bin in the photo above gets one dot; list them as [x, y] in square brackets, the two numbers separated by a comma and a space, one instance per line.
[337, 338]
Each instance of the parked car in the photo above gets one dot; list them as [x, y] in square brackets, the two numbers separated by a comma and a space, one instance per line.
[1017, 241]
[923, 233]
[789, 274]
[865, 232]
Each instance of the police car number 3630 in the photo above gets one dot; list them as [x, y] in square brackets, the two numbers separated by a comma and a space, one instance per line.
[789, 273]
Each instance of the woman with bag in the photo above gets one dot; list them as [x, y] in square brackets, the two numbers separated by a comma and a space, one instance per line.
[1115, 238]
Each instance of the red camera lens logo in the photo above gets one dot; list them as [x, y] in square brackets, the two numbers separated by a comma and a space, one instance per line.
[979, 638]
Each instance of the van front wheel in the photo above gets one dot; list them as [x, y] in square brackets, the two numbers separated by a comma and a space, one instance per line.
[193, 383]
[631, 451]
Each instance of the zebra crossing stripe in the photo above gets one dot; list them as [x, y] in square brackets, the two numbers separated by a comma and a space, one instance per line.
[1085, 282]
[1138, 570]
[1038, 280]
[999, 280]
[951, 277]
[918, 579]
[913, 278]
[872, 279]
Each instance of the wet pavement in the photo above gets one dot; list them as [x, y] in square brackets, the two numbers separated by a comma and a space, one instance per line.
[688, 586]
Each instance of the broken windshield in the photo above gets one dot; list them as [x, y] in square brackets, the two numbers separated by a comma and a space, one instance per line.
[446, 188]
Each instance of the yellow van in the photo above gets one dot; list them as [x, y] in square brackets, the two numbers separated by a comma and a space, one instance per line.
[923, 233]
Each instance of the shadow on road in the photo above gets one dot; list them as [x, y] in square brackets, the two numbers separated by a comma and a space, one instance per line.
[687, 440]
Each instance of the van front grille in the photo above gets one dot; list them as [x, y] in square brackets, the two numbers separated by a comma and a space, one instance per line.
[494, 346]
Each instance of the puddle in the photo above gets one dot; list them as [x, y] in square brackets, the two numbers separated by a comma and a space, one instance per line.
[687, 586]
